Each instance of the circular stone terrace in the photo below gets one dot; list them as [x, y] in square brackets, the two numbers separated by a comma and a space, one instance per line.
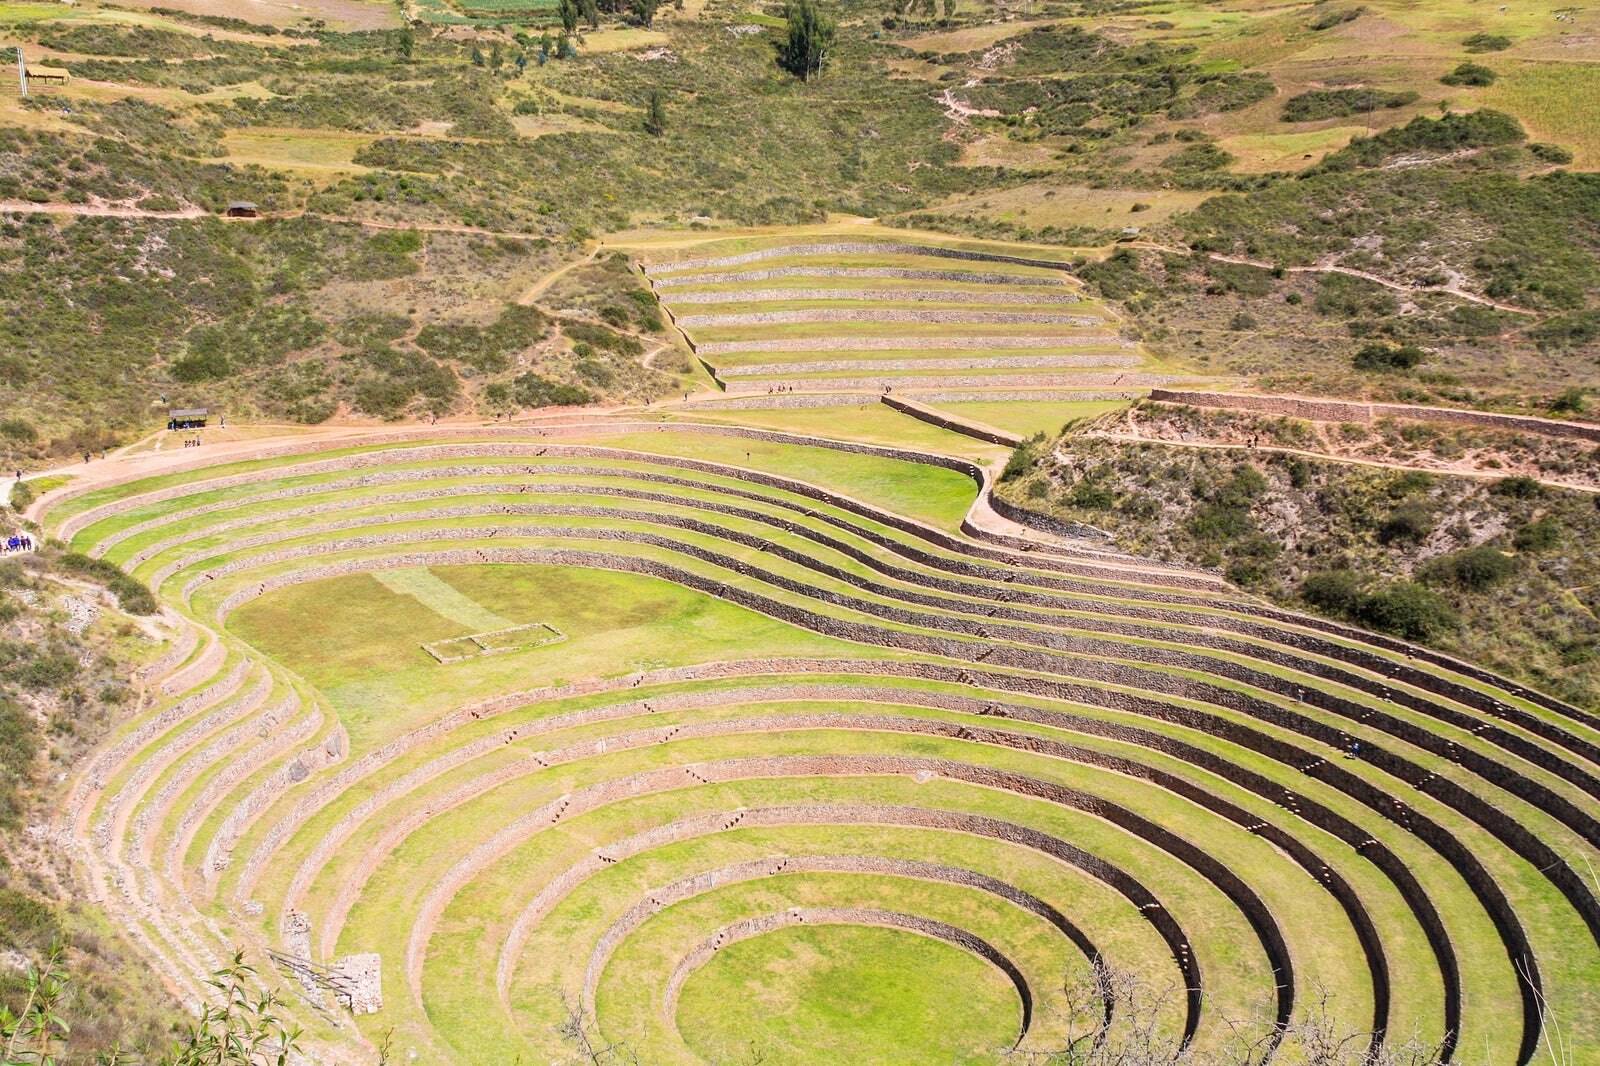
[743, 742]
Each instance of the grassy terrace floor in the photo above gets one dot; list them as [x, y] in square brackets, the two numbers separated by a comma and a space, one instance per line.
[864, 311]
[809, 769]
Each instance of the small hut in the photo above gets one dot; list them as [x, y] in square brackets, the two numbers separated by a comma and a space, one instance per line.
[243, 209]
[187, 418]
[45, 76]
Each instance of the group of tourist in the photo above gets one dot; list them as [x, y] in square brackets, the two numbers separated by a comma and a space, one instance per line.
[18, 542]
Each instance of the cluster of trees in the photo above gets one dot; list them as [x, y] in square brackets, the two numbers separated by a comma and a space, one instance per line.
[809, 39]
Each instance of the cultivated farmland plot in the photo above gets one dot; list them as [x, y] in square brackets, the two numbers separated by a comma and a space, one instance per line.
[779, 752]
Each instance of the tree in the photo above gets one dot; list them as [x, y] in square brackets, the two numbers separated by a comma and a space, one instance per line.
[655, 118]
[569, 16]
[477, 56]
[236, 1028]
[590, 10]
[406, 42]
[644, 11]
[810, 37]
[35, 1035]
[589, 1048]
[497, 56]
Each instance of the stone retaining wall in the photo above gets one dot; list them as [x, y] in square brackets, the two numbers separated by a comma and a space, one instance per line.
[1275, 650]
[199, 670]
[782, 401]
[910, 344]
[821, 315]
[276, 739]
[1000, 362]
[514, 833]
[141, 736]
[949, 296]
[951, 422]
[906, 273]
[1511, 833]
[231, 714]
[1343, 411]
[920, 382]
[1024, 396]
[757, 869]
[854, 248]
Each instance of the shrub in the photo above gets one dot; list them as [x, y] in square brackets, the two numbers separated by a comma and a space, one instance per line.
[1474, 569]
[1388, 357]
[1021, 460]
[1486, 42]
[1092, 496]
[132, 595]
[1410, 523]
[1518, 488]
[1197, 159]
[1570, 401]
[1334, 591]
[1470, 74]
[535, 390]
[19, 745]
[1550, 153]
[211, 365]
[1327, 20]
[1538, 536]
[1407, 610]
[28, 923]
[19, 430]
[21, 496]
[1337, 103]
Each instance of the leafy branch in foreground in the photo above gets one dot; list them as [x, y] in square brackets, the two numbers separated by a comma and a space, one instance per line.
[238, 1027]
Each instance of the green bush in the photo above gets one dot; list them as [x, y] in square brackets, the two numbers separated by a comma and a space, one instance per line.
[1541, 535]
[19, 430]
[1336, 103]
[1021, 460]
[534, 390]
[1518, 488]
[1388, 357]
[1486, 42]
[1470, 74]
[1336, 592]
[19, 747]
[132, 594]
[26, 924]
[1407, 610]
[1473, 569]
[1092, 496]
[1550, 153]
[1327, 20]
[22, 496]
[1198, 159]
[1409, 523]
